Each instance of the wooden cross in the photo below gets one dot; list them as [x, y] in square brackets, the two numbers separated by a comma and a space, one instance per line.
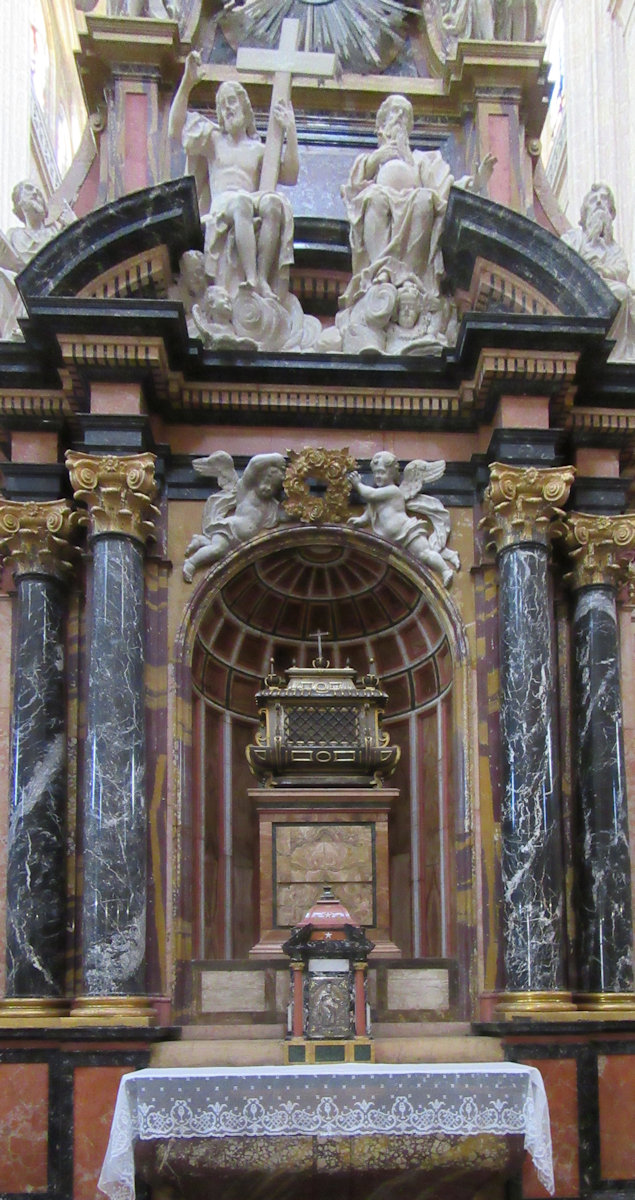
[319, 634]
[282, 63]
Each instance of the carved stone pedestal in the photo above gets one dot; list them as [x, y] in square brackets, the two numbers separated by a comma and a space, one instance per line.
[309, 837]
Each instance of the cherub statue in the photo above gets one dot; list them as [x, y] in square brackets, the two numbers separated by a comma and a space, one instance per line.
[389, 503]
[246, 505]
[213, 322]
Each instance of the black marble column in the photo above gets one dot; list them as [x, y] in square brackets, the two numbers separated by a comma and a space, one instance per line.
[604, 916]
[519, 506]
[531, 830]
[118, 492]
[36, 538]
[114, 813]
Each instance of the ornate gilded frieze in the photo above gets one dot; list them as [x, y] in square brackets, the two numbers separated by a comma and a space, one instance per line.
[37, 537]
[521, 503]
[118, 492]
[599, 548]
[331, 467]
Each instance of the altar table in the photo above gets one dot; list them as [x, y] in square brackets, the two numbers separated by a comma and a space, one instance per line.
[342, 1101]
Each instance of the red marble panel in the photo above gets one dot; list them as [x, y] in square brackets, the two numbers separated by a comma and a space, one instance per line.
[136, 141]
[616, 1082]
[94, 1096]
[560, 1079]
[24, 1126]
[498, 134]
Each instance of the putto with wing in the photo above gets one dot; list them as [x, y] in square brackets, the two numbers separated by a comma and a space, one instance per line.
[397, 512]
[245, 506]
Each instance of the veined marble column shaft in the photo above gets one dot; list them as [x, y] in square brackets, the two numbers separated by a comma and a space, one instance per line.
[118, 492]
[36, 536]
[520, 505]
[605, 946]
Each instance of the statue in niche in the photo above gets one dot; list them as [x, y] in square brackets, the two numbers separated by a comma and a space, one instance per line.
[593, 240]
[396, 199]
[248, 232]
[470, 19]
[448, 21]
[395, 511]
[161, 10]
[21, 244]
[246, 505]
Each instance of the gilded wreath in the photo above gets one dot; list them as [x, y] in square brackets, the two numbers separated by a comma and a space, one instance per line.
[328, 467]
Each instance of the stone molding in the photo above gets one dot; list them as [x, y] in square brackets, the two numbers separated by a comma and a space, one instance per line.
[599, 548]
[118, 492]
[37, 537]
[521, 503]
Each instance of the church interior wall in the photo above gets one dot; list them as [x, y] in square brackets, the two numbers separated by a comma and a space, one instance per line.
[513, 428]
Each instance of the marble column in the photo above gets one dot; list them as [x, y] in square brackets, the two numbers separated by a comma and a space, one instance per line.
[36, 537]
[520, 505]
[597, 545]
[118, 492]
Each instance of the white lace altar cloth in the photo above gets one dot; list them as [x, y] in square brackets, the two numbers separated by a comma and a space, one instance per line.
[326, 1101]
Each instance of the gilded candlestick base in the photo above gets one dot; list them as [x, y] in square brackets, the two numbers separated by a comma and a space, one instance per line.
[613, 1004]
[113, 1010]
[519, 1004]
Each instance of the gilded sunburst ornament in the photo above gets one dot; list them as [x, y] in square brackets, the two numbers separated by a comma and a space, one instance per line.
[364, 34]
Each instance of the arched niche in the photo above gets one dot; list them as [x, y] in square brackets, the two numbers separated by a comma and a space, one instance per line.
[263, 602]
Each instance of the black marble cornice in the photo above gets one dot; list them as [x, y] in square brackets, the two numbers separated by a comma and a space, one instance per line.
[34, 481]
[166, 214]
[50, 316]
[602, 496]
[584, 335]
[528, 447]
[607, 385]
[478, 228]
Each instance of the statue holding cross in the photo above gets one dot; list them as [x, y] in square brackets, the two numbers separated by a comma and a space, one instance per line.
[248, 224]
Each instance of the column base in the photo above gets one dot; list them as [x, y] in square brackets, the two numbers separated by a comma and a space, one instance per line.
[534, 1004]
[610, 1004]
[112, 1010]
[34, 1011]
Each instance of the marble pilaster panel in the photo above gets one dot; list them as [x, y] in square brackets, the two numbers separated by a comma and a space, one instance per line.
[605, 949]
[520, 505]
[118, 492]
[36, 538]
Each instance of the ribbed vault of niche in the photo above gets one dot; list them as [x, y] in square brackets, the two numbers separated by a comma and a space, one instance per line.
[368, 608]
[374, 607]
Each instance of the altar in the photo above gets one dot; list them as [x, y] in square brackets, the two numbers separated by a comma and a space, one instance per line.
[343, 1130]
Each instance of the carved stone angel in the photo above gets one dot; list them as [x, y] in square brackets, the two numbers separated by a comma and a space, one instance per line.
[389, 504]
[245, 506]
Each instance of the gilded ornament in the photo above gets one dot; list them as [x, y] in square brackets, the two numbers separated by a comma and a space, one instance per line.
[37, 537]
[599, 548]
[331, 467]
[117, 490]
[521, 503]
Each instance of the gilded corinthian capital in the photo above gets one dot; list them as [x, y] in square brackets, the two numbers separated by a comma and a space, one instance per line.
[599, 548]
[38, 536]
[118, 492]
[521, 503]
